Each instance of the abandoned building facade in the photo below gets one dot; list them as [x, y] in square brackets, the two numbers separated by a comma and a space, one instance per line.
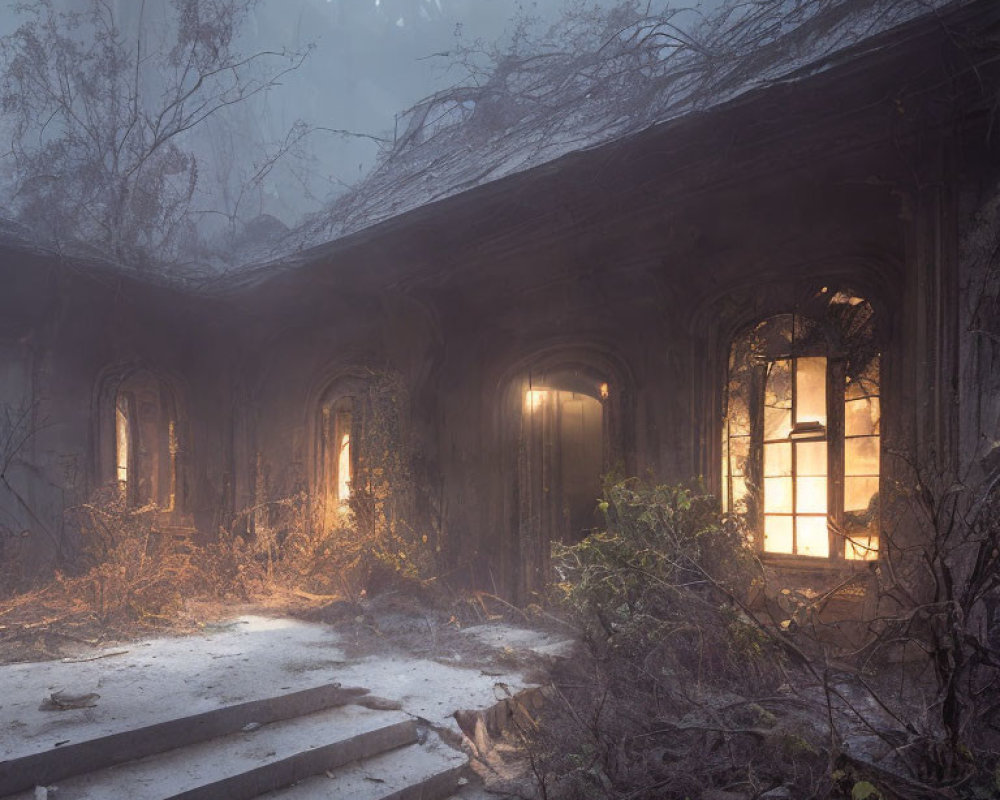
[782, 295]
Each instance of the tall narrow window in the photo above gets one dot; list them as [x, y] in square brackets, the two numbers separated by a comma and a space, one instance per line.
[173, 447]
[801, 434]
[337, 456]
[123, 438]
[142, 419]
[795, 457]
[344, 465]
[862, 462]
[344, 476]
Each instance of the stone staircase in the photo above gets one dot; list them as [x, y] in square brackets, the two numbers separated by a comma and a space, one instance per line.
[305, 745]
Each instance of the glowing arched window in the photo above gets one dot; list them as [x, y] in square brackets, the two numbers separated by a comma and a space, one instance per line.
[142, 419]
[123, 438]
[344, 475]
[801, 438]
[795, 485]
[338, 456]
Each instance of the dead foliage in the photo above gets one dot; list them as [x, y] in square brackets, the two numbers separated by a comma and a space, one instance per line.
[133, 572]
[679, 688]
[688, 688]
[597, 74]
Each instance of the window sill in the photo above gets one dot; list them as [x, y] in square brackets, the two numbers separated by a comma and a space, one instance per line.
[814, 563]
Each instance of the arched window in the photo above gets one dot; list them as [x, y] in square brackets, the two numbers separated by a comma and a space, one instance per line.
[124, 442]
[337, 454]
[801, 437]
[344, 470]
[145, 439]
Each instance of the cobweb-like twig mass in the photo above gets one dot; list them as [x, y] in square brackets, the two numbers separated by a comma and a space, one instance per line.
[599, 76]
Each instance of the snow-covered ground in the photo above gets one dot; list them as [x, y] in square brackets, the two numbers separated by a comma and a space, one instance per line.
[252, 657]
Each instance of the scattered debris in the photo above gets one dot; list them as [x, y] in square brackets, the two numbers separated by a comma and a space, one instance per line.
[379, 703]
[63, 701]
[93, 658]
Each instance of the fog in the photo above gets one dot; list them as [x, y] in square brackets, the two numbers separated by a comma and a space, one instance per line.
[368, 61]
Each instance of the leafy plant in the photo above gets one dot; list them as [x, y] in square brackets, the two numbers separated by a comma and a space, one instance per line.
[666, 562]
[673, 666]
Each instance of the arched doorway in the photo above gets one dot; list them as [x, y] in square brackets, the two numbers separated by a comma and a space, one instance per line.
[563, 433]
[562, 458]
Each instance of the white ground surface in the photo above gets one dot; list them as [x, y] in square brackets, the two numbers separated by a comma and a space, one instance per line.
[501, 636]
[249, 658]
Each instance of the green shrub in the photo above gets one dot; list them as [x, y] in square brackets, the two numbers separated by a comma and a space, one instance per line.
[673, 692]
[665, 582]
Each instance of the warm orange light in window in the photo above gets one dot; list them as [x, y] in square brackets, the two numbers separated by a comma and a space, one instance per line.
[811, 538]
[861, 548]
[122, 439]
[802, 433]
[810, 389]
[344, 469]
[604, 391]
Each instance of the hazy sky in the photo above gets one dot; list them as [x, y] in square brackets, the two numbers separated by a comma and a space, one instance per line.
[375, 58]
[369, 61]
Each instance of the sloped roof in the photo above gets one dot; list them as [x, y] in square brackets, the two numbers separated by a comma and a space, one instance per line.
[598, 82]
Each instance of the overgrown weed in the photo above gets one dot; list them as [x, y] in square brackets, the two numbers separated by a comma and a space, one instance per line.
[678, 689]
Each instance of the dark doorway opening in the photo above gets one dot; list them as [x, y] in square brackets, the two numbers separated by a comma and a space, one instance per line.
[562, 455]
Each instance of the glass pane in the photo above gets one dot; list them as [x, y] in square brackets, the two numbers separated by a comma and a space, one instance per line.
[810, 390]
[738, 414]
[725, 473]
[777, 459]
[123, 439]
[858, 493]
[344, 469]
[861, 456]
[739, 451]
[774, 335]
[739, 493]
[861, 417]
[811, 537]
[867, 383]
[777, 534]
[810, 495]
[777, 423]
[778, 400]
[861, 548]
[810, 458]
[778, 495]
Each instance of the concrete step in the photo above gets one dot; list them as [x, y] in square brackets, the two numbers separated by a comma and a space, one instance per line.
[54, 765]
[428, 770]
[244, 765]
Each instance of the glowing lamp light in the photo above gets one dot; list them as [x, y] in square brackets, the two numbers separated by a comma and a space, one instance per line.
[535, 398]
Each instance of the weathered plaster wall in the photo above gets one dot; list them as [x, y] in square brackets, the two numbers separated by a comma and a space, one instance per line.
[633, 264]
[73, 334]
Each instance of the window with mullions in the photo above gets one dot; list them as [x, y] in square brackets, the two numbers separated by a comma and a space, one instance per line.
[801, 438]
[795, 456]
